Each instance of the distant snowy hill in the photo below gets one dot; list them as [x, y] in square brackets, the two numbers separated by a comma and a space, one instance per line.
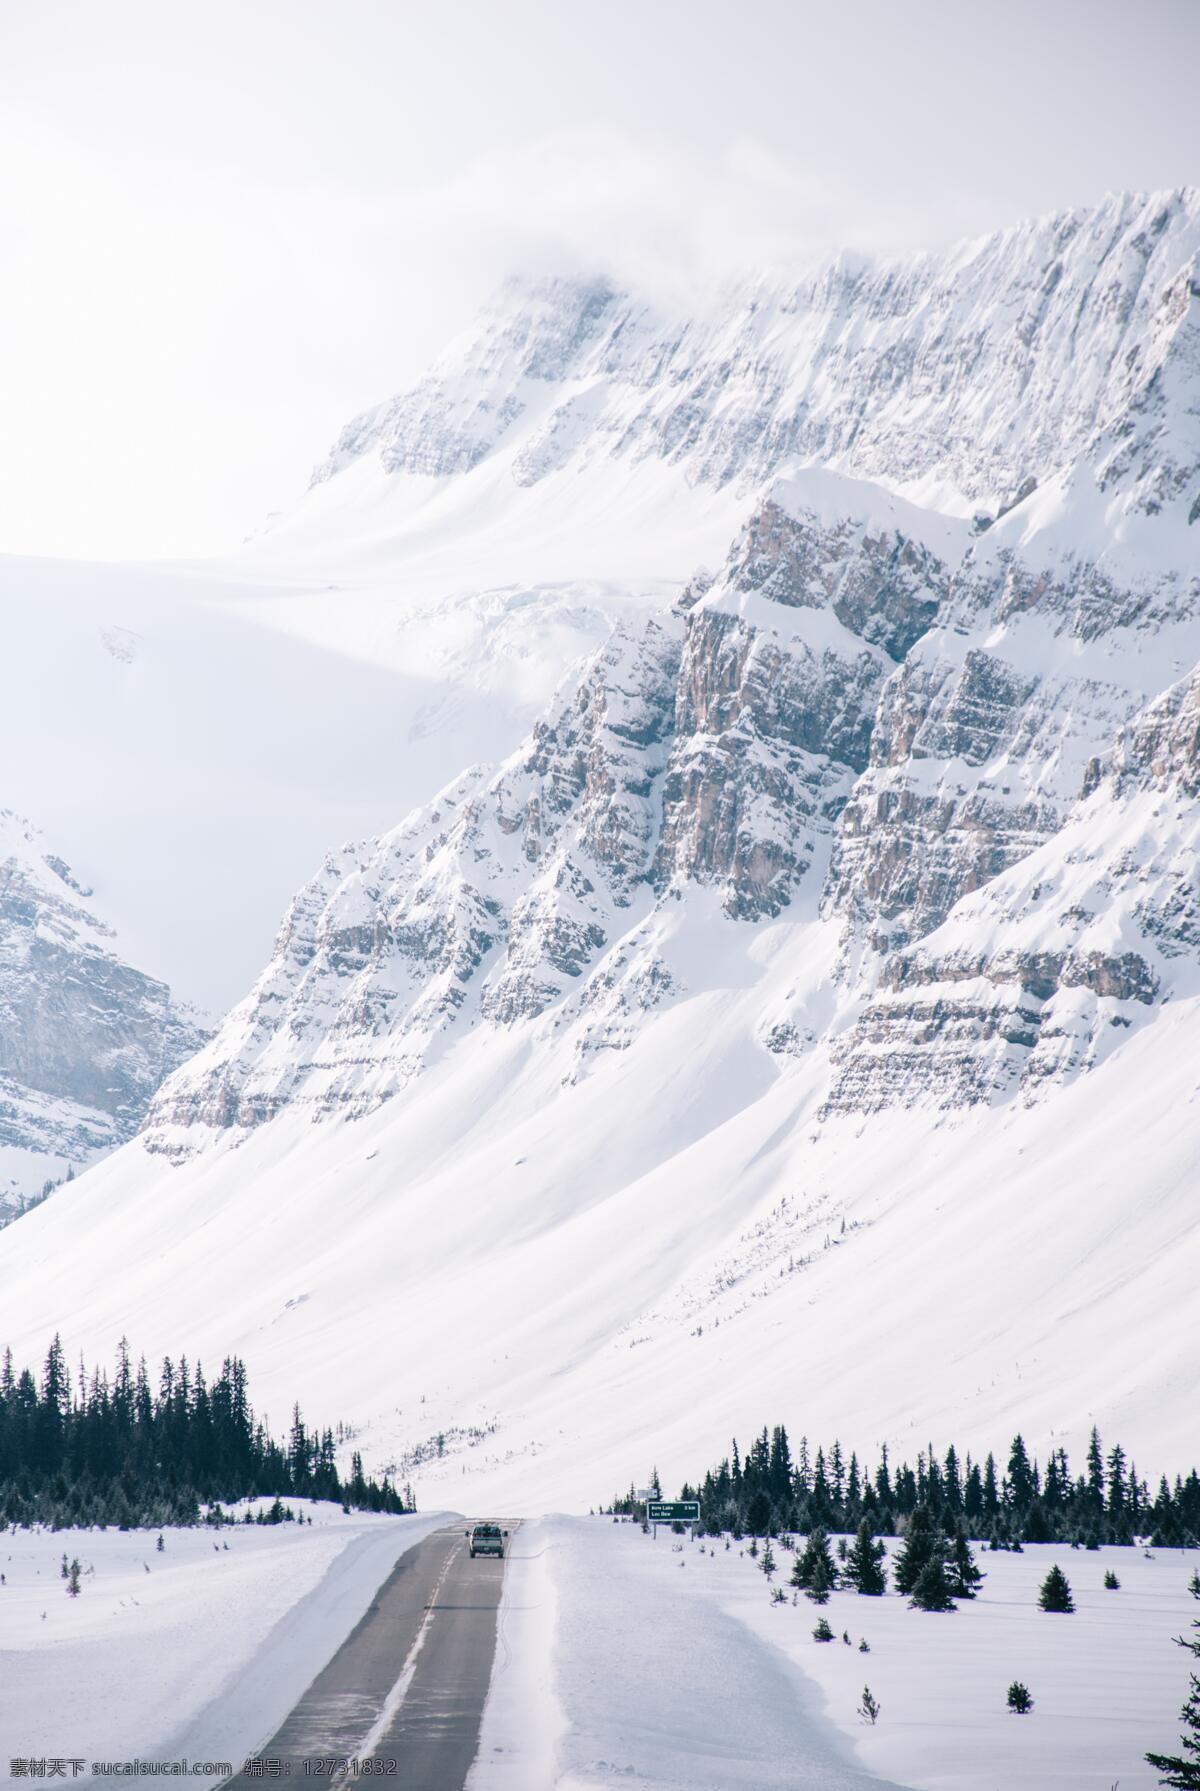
[85, 1039]
[792, 1014]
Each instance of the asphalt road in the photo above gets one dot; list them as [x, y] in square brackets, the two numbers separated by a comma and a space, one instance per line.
[408, 1684]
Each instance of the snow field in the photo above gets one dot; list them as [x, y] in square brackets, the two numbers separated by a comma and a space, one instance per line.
[197, 1652]
[1107, 1681]
[643, 1679]
[673, 1669]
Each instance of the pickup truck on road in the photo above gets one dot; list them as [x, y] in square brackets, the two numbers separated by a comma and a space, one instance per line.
[486, 1539]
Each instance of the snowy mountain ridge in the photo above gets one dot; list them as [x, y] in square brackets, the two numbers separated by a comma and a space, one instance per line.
[965, 377]
[825, 957]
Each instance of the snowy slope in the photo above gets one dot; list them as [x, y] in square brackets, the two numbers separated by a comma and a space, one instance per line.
[541, 1129]
[794, 1020]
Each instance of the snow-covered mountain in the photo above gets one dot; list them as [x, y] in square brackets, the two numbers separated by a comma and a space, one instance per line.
[798, 1019]
[967, 377]
[85, 1039]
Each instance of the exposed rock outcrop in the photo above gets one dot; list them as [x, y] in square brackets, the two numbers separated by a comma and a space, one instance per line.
[85, 1039]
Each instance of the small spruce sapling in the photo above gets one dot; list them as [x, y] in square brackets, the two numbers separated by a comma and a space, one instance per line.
[864, 1647]
[1019, 1700]
[1111, 1582]
[822, 1631]
[870, 1707]
[73, 1579]
[160, 1545]
[1055, 1594]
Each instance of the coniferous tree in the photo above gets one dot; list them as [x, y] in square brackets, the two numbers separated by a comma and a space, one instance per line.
[1019, 1699]
[1055, 1594]
[112, 1453]
[865, 1558]
[933, 1590]
[814, 1571]
[922, 1542]
[758, 1514]
[965, 1577]
[768, 1493]
[1182, 1771]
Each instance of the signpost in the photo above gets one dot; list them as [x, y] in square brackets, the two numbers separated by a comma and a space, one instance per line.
[672, 1511]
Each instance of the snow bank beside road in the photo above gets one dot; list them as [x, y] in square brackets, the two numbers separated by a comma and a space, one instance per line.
[196, 1652]
[665, 1665]
[642, 1679]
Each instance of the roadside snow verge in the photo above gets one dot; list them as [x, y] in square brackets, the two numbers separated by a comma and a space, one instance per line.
[523, 1722]
[618, 1669]
[197, 1651]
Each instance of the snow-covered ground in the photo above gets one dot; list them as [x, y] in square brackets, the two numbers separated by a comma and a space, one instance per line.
[662, 1663]
[196, 1652]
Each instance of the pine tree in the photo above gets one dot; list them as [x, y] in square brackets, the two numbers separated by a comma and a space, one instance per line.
[933, 1590]
[1020, 1476]
[1111, 1582]
[1180, 1772]
[814, 1570]
[922, 1541]
[822, 1631]
[1019, 1700]
[73, 1579]
[870, 1707]
[864, 1563]
[1055, 1594]
[965, 1576]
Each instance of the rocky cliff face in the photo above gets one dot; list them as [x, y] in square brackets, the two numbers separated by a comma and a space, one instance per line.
[854, 730]
[935, 751]
[85, 1039]
[985, 370]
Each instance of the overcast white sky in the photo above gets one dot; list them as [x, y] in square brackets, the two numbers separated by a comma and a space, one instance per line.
[225, 227]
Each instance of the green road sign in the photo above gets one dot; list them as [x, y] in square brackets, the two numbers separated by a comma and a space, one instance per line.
[673, 1511]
